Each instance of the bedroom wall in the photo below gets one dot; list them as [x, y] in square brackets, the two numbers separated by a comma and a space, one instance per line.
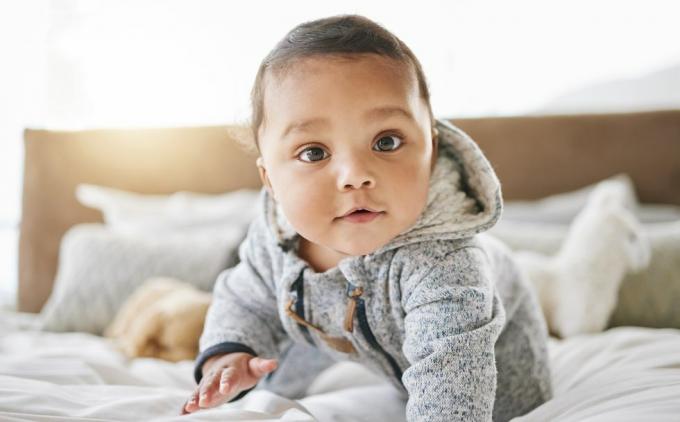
[23, 35]
[74, 64]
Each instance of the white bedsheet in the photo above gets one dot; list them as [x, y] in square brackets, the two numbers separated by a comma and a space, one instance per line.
[624, 374]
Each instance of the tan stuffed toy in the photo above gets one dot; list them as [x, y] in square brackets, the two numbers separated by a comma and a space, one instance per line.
[163, 319]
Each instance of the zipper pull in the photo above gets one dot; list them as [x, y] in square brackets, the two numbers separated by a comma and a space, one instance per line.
[352, 307]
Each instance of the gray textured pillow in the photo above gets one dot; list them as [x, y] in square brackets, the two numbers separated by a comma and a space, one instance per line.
[99, 268]
[649, 298]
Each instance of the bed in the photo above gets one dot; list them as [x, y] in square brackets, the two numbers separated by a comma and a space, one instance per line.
[628, 372]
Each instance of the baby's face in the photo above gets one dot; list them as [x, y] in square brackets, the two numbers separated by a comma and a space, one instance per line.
[340, 135]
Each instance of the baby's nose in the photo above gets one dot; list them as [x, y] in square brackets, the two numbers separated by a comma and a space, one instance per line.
[355, 175]
[366, 183]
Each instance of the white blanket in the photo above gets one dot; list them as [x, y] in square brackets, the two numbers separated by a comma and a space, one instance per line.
[624, 374]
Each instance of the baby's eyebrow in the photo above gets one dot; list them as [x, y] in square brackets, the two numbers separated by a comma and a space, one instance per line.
[374, 113]
[304, 125]
[388, 111]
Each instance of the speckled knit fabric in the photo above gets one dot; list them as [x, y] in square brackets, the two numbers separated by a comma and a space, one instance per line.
[444, 312]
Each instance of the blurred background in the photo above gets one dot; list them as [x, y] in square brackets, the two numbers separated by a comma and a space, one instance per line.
[80, 64]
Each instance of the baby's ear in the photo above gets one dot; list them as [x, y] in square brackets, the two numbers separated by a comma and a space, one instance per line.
[435, 146]
[264, 177]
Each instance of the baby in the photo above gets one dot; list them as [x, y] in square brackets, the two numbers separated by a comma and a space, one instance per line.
[367, 245]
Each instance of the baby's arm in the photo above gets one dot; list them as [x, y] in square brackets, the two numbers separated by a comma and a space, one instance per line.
[226, 376]
[243, 317]
[453, 319]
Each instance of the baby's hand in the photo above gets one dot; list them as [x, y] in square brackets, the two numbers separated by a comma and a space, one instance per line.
[225, 376]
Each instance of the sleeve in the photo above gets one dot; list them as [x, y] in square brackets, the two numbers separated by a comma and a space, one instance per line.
[243, 313]
[453, 319]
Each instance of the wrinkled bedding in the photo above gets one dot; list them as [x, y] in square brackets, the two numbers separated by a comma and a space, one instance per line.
[623, 374]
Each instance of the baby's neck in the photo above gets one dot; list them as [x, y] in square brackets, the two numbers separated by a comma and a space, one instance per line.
[321, 259]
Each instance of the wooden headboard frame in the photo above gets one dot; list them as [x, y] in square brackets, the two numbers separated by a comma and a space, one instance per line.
[533, 156]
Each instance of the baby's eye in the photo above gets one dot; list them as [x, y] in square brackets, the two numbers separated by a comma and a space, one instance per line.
[387, 143]
[312, 154]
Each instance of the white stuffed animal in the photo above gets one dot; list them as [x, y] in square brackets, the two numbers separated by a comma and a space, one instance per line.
[578, 286]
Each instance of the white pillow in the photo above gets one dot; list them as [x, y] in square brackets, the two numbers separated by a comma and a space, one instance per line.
[561, 208]
[128, 212]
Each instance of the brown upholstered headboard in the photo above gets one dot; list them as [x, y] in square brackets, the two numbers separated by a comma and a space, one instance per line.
[538, 156]
[201, 159]
[533, 156]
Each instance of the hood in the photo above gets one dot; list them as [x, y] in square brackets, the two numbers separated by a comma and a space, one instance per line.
[464, 196]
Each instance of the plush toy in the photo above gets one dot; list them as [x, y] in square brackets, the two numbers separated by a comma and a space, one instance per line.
[163, 318]
[578, 286]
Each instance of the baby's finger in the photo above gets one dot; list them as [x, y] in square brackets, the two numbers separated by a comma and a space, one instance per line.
[208, 389]
[192, 404]
[228, 382]
[259, 367]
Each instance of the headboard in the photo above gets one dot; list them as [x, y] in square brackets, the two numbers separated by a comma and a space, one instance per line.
[199, 159]
[533, 156]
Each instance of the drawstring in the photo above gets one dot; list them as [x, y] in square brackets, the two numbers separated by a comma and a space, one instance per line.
[290, 306]
[340, 344]
[349, 314]
[352, 308]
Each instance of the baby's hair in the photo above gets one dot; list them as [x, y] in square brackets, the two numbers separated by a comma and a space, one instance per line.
[344, 36]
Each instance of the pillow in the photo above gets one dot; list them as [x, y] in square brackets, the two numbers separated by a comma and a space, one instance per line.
[564, 207]
[125, 211]
[650, 298]
[188, 236]
[647, 298]
[99, 269]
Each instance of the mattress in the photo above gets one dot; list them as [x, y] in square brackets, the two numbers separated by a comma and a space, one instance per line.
[623, 374]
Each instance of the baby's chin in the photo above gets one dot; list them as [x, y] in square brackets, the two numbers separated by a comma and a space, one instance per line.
[357, 247]
[354, 243]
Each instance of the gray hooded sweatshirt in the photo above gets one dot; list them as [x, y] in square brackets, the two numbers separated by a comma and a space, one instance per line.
[441, 310]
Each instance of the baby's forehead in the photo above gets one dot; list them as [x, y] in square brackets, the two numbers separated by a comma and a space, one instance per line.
[305, 68]
[359, 90]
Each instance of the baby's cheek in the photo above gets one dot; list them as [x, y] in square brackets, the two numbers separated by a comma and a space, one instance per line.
[307, 215]
[411, 195]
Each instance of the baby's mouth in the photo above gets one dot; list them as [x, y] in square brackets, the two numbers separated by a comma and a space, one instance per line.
[360, 215]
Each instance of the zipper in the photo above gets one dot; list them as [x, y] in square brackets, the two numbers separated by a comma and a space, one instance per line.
[297, 292]
[357, 306]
